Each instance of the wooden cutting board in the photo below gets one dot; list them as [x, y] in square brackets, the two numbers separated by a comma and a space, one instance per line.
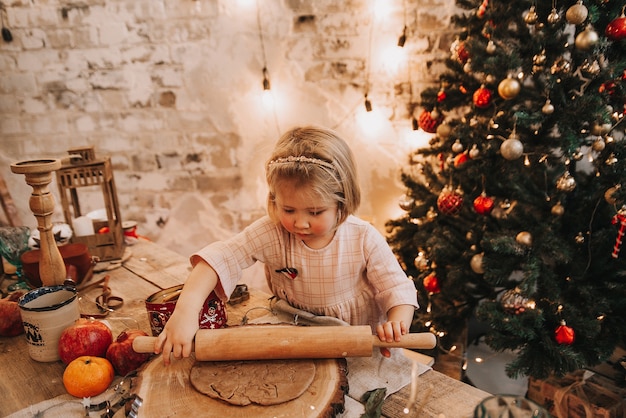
[166, 391]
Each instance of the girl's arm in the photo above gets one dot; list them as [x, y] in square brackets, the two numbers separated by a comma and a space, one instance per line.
[398, 323]
[179, 331]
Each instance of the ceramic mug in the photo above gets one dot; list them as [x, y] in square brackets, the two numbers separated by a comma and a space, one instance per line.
[160, 306]
[46, 312]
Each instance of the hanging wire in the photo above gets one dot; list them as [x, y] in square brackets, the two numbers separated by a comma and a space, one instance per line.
[402, 39]
[266, 79]
[368, 104]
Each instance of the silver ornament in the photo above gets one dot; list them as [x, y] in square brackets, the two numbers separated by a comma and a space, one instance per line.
[512, 148]
[474, 152]
[421, 261]
[406, 202]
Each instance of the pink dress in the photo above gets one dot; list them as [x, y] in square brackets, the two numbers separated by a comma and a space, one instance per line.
[355, 278]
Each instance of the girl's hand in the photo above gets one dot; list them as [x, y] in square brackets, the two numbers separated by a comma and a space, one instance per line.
[389, 332]
[177, 337]
[178, 333]
[398, 322]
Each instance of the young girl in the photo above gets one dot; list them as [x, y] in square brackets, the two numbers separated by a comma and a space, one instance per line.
[318, 256]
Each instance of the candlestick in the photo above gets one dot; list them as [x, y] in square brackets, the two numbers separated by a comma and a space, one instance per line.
[38, 174]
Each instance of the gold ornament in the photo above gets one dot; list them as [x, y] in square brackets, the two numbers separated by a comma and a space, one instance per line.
[538, 61]
[577, 14]
[476, 263]
[558, 209]
[514, 302]
[598, 145]
[443, 131]
[561, 65]
[524, 238]
[509, 88]
[554, 17]
[579, 239]
[566, 182]
[531, 16]
[548, 108]
[586, 39]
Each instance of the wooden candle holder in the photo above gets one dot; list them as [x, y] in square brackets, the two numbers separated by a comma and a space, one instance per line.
[38, 175]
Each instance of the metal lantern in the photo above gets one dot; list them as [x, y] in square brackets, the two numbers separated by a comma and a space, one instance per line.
[103, 234]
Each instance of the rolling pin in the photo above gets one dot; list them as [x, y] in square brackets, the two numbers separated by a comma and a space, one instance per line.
[280, 342]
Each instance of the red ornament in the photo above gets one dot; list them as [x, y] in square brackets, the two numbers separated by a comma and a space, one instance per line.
[431, 283]
[460, 159]
[441, 96]
[616, 29]
[483, 204]
[564, 335]
[608, 87]
[449, 201]
[482, 97]
[462, 53]
[429, 121]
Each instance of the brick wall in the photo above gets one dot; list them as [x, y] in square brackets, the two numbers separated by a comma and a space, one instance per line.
[171, 90]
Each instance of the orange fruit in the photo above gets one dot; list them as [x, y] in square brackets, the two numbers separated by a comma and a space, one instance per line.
[88, 376]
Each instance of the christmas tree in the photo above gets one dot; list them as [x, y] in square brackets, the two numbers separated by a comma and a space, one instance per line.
[515, 212]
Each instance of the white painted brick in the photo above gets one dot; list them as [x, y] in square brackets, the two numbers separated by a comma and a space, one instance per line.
[20, 84]
[33, 39]
[34, 106]
[112, 33]
[10, 126]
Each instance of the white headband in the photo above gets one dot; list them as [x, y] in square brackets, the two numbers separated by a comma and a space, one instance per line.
[302, 159]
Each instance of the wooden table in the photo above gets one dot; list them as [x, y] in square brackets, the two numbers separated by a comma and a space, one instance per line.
[151, 268]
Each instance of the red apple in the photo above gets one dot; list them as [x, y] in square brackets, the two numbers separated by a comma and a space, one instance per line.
[10, 317]
[121, 354]
[86, 337]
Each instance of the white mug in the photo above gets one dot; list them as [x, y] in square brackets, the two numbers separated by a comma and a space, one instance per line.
[46, 312]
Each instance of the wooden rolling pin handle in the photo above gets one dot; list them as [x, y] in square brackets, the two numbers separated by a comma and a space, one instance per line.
[421, 340]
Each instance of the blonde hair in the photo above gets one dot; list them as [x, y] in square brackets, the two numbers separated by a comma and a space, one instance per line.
[317, 158]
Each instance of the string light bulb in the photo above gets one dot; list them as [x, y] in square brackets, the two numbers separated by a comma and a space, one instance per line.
[402, 38]
[266, 80]
[368, 104]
